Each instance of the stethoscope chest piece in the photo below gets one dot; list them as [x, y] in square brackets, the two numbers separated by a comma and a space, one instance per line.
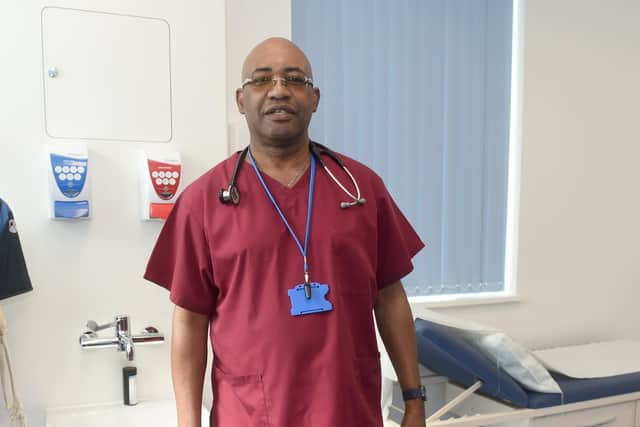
[230, 195]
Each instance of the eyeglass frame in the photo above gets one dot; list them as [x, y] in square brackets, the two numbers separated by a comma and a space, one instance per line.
[308, 81]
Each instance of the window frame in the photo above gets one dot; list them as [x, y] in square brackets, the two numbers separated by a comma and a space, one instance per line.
[510, 292]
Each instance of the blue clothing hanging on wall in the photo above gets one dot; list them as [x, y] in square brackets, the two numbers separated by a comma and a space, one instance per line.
[14, 277]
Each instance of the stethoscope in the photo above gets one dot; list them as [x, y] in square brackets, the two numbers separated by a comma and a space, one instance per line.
[231, 195]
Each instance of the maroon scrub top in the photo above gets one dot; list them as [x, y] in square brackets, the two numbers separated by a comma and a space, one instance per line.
[235, 264]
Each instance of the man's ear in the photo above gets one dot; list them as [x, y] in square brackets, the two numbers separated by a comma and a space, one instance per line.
[316, 98]
[240, 100]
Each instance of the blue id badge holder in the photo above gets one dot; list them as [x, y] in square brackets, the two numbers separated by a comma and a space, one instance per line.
[318, 303]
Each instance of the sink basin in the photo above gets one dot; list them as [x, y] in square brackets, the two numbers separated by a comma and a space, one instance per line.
[151, 413]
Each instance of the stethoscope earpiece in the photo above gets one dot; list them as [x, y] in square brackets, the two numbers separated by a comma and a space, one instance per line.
[345, 205]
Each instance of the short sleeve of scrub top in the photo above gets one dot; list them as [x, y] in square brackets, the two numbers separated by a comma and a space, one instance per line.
[180, 261]
[398, 241]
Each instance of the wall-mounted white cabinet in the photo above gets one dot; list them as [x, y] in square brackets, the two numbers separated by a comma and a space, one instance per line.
[106, 76]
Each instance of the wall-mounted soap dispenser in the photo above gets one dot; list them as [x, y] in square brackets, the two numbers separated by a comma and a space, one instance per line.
[68, 168]
[160, 178]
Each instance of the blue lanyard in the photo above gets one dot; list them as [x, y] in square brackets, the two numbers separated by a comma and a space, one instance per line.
[284, 219]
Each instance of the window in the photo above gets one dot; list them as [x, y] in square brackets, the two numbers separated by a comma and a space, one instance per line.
[421, 92]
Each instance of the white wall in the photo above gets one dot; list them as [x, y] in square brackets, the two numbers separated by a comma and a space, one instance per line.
[248, 23]
[578, 250]
[103, 277]
[577, 272]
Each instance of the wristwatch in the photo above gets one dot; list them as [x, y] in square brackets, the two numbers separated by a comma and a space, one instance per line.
[415, 393]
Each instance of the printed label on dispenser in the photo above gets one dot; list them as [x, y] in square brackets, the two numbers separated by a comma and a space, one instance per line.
[69, 173]
[160, 180]
[165, 178]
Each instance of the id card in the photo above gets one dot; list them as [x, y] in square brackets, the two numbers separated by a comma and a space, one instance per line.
[318, 303]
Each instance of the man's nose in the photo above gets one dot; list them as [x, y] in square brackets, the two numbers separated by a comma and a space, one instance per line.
[279, 89]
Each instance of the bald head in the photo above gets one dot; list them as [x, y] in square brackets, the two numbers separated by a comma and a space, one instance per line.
[276, 54]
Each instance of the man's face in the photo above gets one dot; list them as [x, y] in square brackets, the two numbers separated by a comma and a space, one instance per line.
[278, 112]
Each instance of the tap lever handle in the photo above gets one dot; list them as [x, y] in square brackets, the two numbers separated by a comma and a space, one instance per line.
[94, 327]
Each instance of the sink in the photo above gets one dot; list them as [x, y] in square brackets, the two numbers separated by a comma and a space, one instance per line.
[145, 413]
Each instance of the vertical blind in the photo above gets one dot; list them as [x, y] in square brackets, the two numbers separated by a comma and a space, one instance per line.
[419, 90]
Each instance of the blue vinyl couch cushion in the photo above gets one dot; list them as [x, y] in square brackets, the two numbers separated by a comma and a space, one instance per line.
[581, 389]
[446, 353]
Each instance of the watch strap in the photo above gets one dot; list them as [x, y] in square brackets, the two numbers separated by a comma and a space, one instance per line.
[414, 393]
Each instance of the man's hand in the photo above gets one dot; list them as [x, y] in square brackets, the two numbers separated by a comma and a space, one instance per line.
[413, 414]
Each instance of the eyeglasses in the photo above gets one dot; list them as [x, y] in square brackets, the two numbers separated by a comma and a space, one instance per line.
[263, 82]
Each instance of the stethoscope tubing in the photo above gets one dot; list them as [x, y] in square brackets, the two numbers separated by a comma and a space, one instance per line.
[318, 149]
[232, 194]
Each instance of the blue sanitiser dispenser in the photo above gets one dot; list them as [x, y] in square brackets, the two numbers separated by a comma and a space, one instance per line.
[69, 182]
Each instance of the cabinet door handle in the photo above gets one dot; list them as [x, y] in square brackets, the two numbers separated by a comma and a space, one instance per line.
[604, 422]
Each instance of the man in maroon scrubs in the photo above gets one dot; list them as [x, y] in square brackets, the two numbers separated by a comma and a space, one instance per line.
[286, 282]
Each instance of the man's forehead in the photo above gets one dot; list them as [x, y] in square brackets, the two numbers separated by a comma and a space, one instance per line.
[275, 55]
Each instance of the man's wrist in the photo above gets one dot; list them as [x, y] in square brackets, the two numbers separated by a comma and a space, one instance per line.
[414, 409]
[414, 404]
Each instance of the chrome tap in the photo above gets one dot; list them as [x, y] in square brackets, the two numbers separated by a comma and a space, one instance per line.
[123, 333]
[122, 339]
